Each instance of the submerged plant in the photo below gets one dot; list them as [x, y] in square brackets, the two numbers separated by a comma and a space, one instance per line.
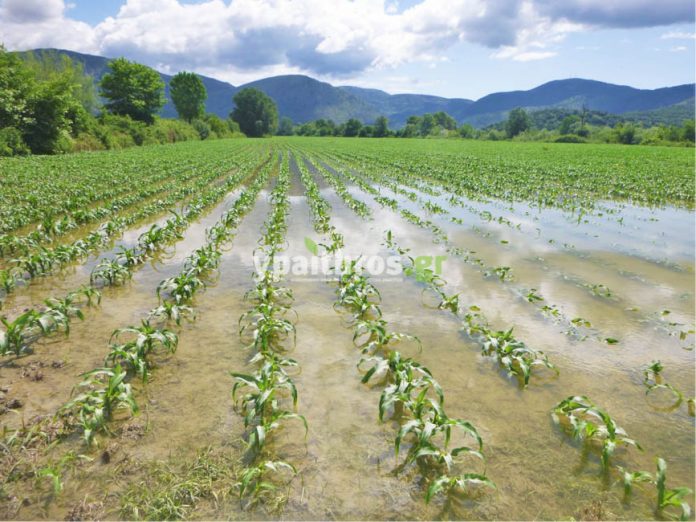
[107, 392]
[587, 422]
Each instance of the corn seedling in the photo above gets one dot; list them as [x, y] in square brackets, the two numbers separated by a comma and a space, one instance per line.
[110, 272]
[134, 354]
[18, 334]
[586, 422]
[107, 392]
[254, 483]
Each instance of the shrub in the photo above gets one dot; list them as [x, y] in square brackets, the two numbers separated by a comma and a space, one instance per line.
[85, 142]
[202, 128]
[11, 142]
[570, 138]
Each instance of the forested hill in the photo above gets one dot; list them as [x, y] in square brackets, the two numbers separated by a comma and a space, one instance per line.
[303, 99]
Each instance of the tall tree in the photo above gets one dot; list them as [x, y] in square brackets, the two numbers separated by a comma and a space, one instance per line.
[285, 128]
[17, 85]
[255, 112]
[352, 128]
[132, 89]
[188, 94]
[381, 128]
[518, 121]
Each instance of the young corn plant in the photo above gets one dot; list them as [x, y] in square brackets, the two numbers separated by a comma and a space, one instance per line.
[169, 311]
[584, 421]
[666, 498]
[514, 355]
[106, 393]
[20, 333]
[256, 482]
[180, 288]
[408, 383]
[110, 272]
[145, 340]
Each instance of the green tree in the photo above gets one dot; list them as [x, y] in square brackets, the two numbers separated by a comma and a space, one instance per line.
[688, 130]
[50, 65]
[132, 89]
[518, 121]
[427, 123]
[50, 123]
[467, 131]
[285, 128]
[352, 128]
[381, 127]
[625, 133]
[569, 124]
[255, 112]
[444, 120]
[188, 95]
[17, 85]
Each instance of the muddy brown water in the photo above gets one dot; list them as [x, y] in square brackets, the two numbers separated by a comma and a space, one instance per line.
[346, 462]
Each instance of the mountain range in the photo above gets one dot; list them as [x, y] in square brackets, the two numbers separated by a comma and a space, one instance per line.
[303, 99]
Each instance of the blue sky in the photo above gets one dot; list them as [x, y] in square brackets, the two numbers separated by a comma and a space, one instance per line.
[453, 48]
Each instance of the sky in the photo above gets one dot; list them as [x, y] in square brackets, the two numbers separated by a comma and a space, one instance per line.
[452, 48]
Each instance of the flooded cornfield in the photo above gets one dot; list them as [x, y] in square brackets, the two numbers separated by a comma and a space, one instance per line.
[314, 329]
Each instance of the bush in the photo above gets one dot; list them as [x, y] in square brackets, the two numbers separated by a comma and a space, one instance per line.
[171, 131]
[202, 128]
[11, 143]
[85, 142]
[570, 138]
[218, 126]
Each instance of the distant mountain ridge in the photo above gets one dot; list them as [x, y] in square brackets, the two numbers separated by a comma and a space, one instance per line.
[302, 98]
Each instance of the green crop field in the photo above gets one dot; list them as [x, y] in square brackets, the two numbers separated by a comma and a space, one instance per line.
[332, 328]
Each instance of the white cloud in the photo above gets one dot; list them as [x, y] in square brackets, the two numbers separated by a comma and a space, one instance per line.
[29, 24]
[678, 49]
[674, 35]
[239, 39]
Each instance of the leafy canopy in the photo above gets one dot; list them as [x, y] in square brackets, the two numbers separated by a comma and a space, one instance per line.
[188, 95]
[132, 89]
[255, 112]
[518, 122]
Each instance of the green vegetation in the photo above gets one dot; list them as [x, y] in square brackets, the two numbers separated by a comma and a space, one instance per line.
[547, 125]
[188, 94]
[132, 89]
[49, 105]
[255, 112]
[464, 287]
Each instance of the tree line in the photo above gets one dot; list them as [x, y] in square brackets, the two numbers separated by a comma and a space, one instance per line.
[49, 105]
[552, 125]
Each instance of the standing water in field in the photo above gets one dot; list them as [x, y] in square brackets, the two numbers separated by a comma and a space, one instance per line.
[479, 251]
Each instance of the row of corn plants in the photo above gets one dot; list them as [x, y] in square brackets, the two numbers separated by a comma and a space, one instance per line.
[52, 226]
[578, 327]
[267, 397]
[578, 416]
[512, 354]
[357, 206]
[583, 420]
[45, 261]
[320, 209]
[105, 393]
[64, 185]
[411, 395]
[56, 314]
